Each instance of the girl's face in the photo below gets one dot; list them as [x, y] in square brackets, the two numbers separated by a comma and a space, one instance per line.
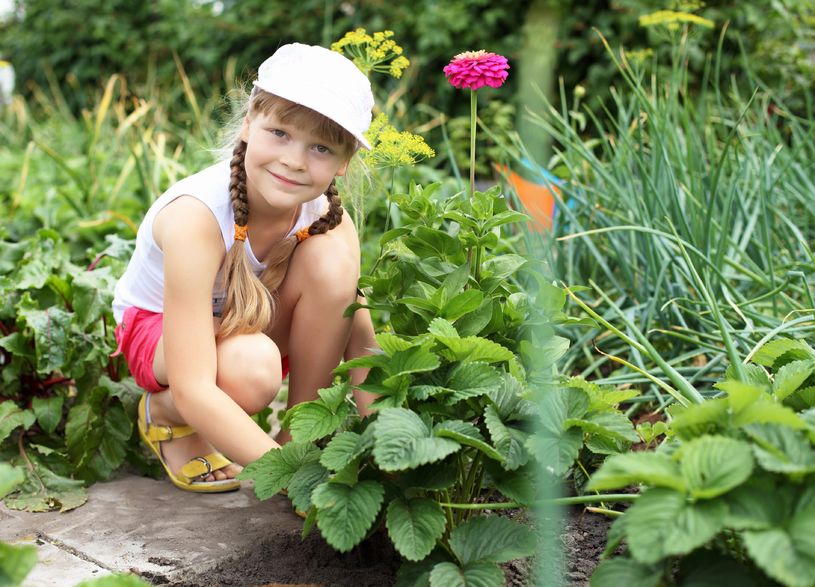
[285, 164]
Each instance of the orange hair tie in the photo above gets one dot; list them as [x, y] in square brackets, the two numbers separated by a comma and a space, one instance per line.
[302, 234]
[240, 232]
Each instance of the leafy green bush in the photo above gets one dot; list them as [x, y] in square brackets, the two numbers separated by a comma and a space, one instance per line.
[730, 495]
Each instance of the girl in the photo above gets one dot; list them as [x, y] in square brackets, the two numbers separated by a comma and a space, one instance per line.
[242, 272]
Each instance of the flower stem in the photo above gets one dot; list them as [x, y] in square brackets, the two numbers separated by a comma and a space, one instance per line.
[473, 110]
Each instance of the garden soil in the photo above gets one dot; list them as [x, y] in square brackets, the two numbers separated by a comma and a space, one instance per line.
[286, 560]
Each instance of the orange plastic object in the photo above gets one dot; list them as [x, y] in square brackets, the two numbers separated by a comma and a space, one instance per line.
[538, 199]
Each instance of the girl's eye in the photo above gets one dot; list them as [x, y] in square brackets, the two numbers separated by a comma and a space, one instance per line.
[278, 133]
[322, 149]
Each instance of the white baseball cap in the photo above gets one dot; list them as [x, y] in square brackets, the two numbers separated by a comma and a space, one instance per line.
[323, 81]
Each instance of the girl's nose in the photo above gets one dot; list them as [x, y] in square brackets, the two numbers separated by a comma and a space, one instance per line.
[293, 158]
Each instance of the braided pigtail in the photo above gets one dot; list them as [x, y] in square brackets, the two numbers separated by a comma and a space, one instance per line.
[248, 304]
[277, 261]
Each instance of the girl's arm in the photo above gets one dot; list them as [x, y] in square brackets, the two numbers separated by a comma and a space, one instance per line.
[362, 342]
[193, 249]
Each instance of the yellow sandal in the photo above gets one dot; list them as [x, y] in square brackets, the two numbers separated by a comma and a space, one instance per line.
[189, 476]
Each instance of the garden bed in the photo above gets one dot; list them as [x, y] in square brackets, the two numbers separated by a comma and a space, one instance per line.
[288, 560]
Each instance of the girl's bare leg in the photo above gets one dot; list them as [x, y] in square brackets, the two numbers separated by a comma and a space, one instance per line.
[248, 370]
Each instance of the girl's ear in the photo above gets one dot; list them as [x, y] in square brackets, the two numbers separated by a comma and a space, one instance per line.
[245, 129]
[343, 168]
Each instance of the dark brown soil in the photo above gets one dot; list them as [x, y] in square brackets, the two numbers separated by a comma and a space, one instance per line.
[288, 560]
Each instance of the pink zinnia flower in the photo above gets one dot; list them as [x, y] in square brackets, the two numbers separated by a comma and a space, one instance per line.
[475, 69]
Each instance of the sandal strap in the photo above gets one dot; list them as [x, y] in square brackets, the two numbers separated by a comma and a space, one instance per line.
[156, 433]
[200, 466]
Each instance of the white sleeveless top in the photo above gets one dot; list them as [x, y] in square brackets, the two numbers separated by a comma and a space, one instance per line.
[142, 284]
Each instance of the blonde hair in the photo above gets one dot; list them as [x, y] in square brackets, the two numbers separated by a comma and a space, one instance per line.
[249, 304]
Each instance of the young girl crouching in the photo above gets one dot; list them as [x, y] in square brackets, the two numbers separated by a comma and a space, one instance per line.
[241, 274]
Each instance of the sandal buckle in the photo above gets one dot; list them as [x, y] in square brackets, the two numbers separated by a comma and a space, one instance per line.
[208, 465]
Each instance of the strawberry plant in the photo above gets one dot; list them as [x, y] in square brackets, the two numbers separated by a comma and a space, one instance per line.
[730, 496]
[64, 418]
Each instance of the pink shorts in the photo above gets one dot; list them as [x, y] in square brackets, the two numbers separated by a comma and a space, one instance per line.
[138, 336]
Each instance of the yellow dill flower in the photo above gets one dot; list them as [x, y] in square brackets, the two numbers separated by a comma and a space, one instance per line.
[639, 56]
[377, 52]
[392, 148]
[672, 19]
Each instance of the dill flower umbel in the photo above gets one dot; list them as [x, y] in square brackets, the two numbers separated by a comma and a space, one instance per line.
[377, 52]
[475, 69]
[392, 148]
[672, 19]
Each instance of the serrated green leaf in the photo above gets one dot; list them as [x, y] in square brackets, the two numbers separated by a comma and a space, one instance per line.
[302, 484]
[417, 574]
[509, 441]
[787, 553]
[782, 450]
[15, 563]
[770, 352]
[344, 448]
[412, 360]
[492, 539]
[391, 343]
[556, 454]
[433, 477]
[11, 416]
[472, 349]
[790, 377]
[622, 470]
[273, 471]
[476, 574]
[757, 505]
[311, 421]
[403, 441]
[414, 526]
[663, 523]
[619, 572]
[612, 425]
[713, 465]
[467, 434]
[48, 411]
[346, 513]
[709, 568]
[440, 327]
[467, 380]
[518, 485]
[699, 419]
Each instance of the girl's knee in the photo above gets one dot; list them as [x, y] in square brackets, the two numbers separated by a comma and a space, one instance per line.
[332, 269]
[249, 370]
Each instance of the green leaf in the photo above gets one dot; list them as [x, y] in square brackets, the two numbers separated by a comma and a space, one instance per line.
[474, 348]
[434, 477]
[404, 441]
[663, 523]
[44, 490]
[467, 380]
[773, 350]
[467, 434]
[346, 513]
[782, 450]
[713, 465]
[391, 343]
[439, 327]
[473, 323]
[478, 574]
[417, 574]
[11, 417]
[612, 425]
[15, 563]
[48, 411]
[648, 468]
[412, 360]
[92, 294]
[620, 571]
[508, 440]
[787, 553]
[503, 266]
[556, 453]
[790, 377]
[414, 526]
[274, 470]
[758, 504]
[344, 448]
[10, 477]
[518, 485]
[461, 304]
[491, 539]
[52, 336]
[96, 435]
[302, 484]
[313, 420]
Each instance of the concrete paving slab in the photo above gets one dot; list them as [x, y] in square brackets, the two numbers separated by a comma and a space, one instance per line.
[148, 527]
